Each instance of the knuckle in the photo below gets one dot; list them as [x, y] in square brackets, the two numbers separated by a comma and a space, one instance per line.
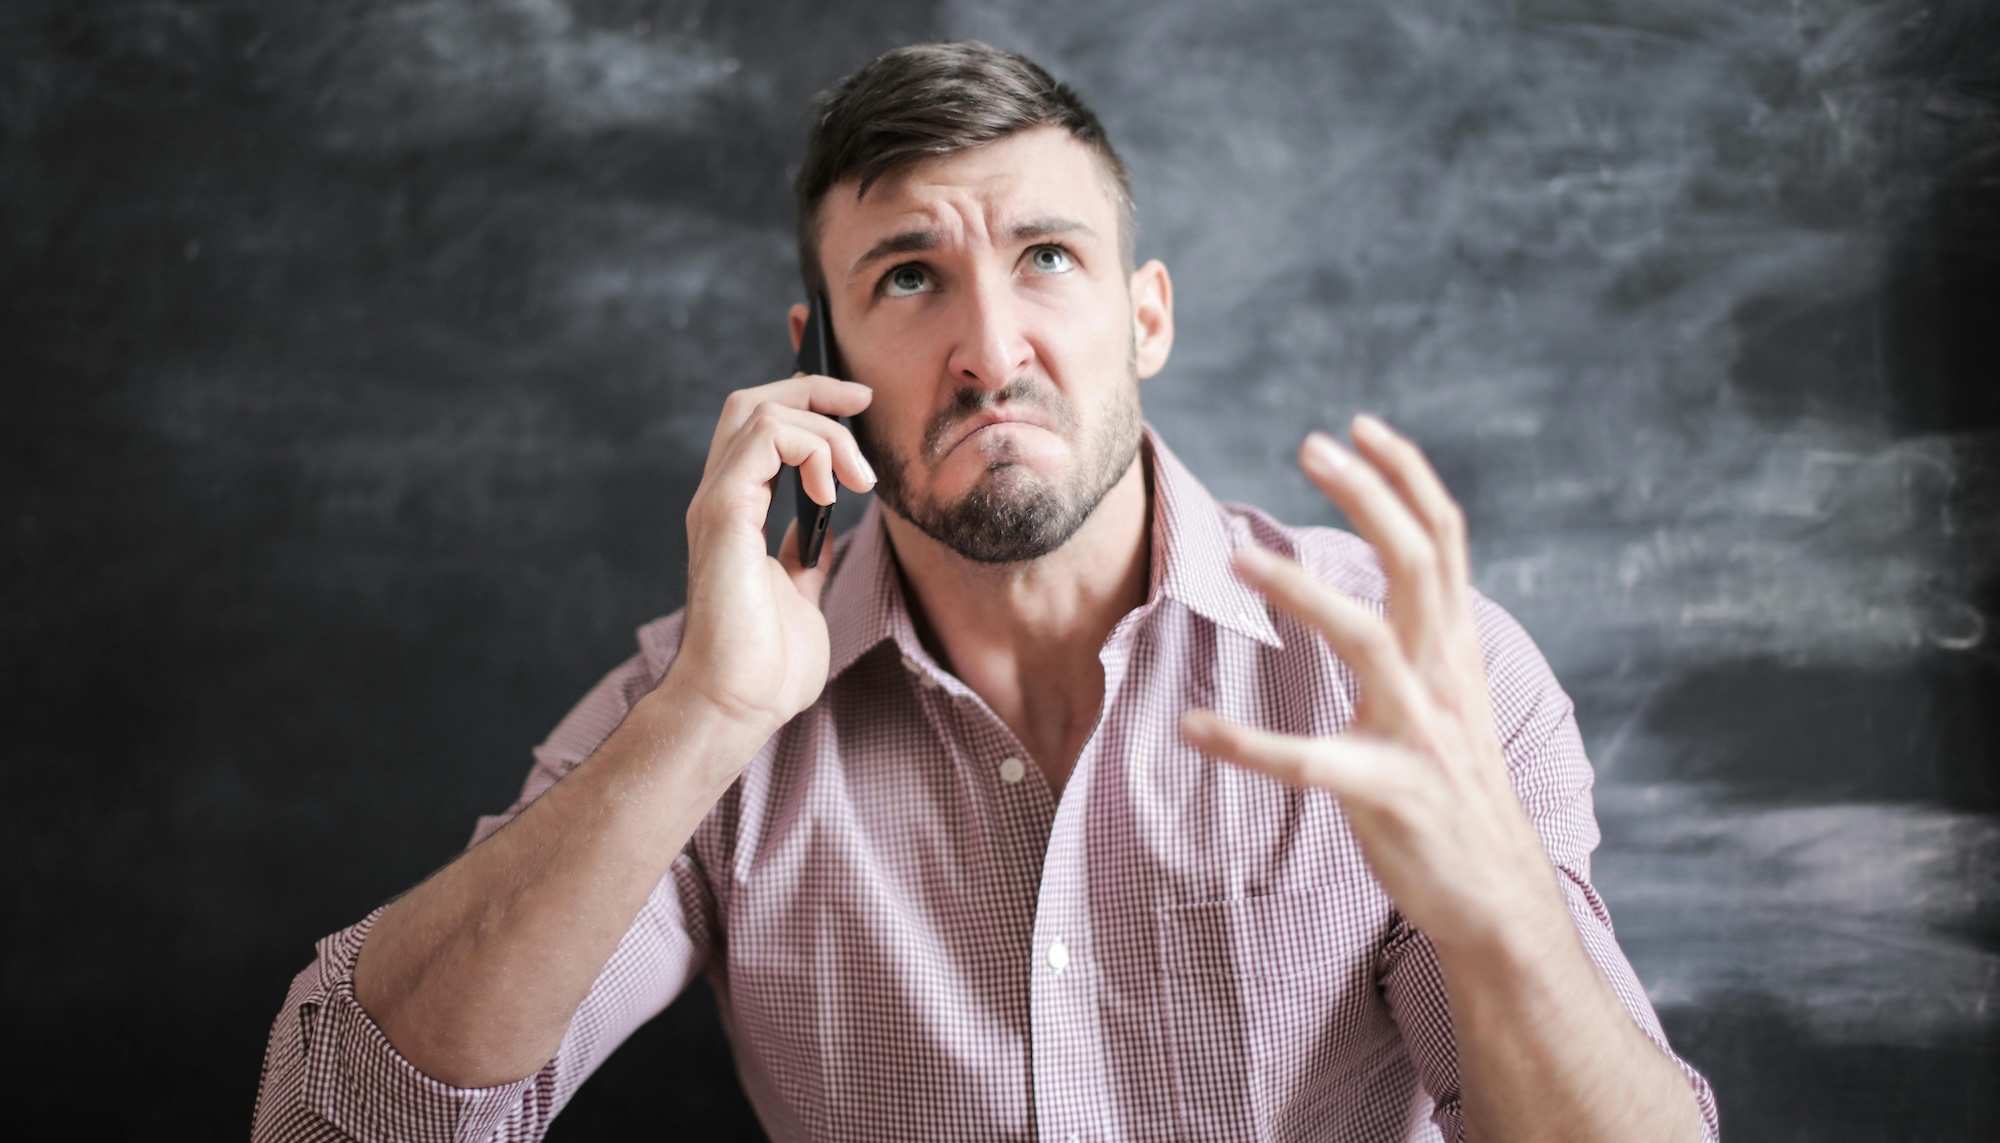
[766, 419]
[1422, 554]
[1423, 543]
[1393, 814]
[1285, 583]
[1374, 640]
[1400, 551]
[1393, 789]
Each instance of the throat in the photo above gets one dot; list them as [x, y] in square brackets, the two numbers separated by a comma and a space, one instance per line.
[1054, 719]
[1027, 639]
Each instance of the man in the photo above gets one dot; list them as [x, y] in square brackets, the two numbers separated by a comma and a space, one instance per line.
[945, 824]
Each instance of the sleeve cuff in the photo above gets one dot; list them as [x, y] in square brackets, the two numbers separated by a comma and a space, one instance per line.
[358, 1082]
[1593, 925]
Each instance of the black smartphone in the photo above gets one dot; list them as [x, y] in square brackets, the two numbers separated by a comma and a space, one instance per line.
[816, 355]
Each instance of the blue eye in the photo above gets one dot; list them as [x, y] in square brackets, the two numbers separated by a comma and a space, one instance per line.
[1050, 260]
[904, 281]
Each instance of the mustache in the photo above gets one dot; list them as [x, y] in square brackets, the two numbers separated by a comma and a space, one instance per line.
[969, 402]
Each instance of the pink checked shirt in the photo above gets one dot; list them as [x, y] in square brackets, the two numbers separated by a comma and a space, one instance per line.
[912, 937]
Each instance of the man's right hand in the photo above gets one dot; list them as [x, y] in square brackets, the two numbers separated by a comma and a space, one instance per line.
[475, 974]
[754, 644]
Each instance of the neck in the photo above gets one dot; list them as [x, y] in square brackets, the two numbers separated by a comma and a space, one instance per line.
[1025, 637]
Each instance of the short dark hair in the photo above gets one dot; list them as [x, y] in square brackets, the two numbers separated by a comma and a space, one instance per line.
[928, 101]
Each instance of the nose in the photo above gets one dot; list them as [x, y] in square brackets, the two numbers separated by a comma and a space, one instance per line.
[993, 347]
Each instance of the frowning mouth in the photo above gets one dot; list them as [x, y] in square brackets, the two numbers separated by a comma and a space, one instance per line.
[973, 427]
[973, 412]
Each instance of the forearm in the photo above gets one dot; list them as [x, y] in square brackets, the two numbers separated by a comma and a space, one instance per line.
[1545, 1051]
[475, 974]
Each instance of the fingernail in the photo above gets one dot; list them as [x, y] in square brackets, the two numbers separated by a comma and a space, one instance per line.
[1197, 723]
[1371, 426]
[866, 468]
[1324, 452]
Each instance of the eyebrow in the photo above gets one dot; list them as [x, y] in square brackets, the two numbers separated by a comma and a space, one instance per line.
[908, 242]
[915, 241]
[1049, 227]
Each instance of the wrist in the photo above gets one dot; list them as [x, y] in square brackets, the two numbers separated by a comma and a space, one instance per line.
[1534, 940]
[713, 742]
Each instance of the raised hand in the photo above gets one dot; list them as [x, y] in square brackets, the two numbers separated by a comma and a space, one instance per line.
[1420, 773]
[754, 643]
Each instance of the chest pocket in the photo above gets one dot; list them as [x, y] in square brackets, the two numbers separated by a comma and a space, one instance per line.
[1271, 1011]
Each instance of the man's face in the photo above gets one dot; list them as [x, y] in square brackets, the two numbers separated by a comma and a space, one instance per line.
[982, 296]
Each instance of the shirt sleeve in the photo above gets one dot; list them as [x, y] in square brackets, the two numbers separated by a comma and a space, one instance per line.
[1553, 779]
[331, 1074]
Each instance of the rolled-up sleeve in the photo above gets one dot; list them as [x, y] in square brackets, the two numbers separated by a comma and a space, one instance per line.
[1553, 779]
[331, 1074]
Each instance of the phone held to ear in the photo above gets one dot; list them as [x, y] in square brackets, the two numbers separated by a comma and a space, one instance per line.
[816, 356]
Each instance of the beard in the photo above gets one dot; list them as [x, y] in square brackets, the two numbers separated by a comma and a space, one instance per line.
[1012, 515]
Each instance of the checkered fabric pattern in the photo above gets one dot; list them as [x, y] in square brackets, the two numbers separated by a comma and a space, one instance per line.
[912, 937]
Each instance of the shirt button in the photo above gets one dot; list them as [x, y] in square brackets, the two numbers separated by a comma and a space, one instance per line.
[1058, 956]
[1012, 770]
[917, 669]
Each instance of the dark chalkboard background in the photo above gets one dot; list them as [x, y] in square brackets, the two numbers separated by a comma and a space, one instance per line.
[359, 359]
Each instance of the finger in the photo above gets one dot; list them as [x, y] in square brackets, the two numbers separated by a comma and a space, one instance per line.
[1393, 695]
[829, 451]
[1351, 768]
[1408, 556]
[828, 396]
[808, 580]
[848, 464]
[744, 408]
[1409, 472]
[739, 488]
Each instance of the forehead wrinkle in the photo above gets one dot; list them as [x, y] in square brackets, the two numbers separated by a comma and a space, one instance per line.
[939, 220]
[940, 207]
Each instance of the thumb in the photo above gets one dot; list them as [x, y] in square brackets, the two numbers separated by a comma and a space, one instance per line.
[808, 580]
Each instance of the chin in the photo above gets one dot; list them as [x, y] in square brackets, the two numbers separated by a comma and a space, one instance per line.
[999, 473]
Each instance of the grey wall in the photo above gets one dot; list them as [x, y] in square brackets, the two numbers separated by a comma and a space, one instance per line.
[359, 358]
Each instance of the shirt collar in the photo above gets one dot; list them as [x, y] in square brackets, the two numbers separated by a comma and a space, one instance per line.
[1192, 542]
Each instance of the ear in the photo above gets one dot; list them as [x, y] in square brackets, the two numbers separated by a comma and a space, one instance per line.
[1152, 317]
[798, 318]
